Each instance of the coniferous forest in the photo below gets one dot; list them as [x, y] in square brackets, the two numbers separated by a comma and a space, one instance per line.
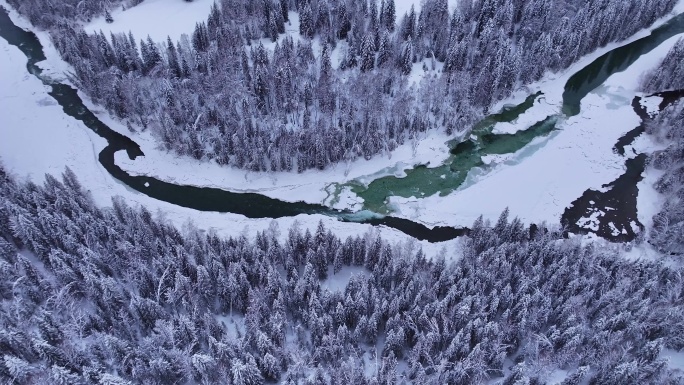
[116, 296]
[221, 94]
[668, 227]
[119, 295]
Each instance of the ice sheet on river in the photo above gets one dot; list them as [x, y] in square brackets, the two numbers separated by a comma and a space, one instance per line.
[539, 181]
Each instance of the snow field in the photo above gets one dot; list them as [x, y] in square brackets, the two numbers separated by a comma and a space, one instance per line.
[157, 19]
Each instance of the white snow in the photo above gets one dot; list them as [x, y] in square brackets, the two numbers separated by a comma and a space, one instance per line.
[309, 186]
[158, 19]
[339, 280]
[651, 104]
[649, 201]
[234, 325]
[613, 230]
[538, 112]
[493, 159]
[557, 376]
[403, 6]
[346, 199]
[675, 359]
[424, 69]
[592, 222]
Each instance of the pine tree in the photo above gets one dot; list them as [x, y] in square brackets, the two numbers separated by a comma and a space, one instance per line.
[200, 37]
[373, 27]
[388, 14]
[384, 49]
[284, 10]
[367, 53]
[172, 58]
[108, 17]
[326, 65]
[306, 22]
[406, 58]
[408, 24]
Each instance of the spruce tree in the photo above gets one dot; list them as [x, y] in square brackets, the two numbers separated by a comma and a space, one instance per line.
[367, 53]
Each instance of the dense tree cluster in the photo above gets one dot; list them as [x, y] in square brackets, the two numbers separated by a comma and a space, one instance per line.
[668, 225]
[667, 233]
[339, 90]
[114, 296]
[669, 76]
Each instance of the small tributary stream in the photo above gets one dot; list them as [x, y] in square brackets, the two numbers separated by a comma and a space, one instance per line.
[254, 205]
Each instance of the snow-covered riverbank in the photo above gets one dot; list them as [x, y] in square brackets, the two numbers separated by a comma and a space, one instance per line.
[311, 185]
[38, 139]
[539, 181]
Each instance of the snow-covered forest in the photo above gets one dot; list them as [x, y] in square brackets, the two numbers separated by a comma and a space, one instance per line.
[124, 290]
[242, 91]
[115, 296]
[668, 225]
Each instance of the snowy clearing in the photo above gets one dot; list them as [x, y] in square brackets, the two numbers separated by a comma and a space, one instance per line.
[403, 6]
[158, 19]
[338, 281]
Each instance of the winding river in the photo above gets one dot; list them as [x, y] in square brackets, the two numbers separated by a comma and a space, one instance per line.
[464, 157]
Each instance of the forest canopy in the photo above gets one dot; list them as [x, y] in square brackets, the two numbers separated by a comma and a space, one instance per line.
[90, 295]
[242, 92]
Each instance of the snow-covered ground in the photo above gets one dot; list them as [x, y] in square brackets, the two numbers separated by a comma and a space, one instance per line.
[158, 19]
[309, 186]
[675, 359]
[38, 138]
[651, 104]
